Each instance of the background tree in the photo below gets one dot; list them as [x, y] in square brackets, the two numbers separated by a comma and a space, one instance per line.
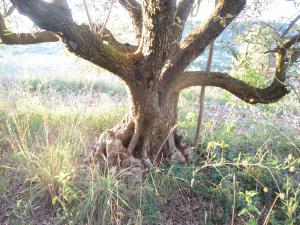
[155, 70]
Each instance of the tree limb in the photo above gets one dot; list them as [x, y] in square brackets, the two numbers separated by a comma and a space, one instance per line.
[184, 8]
[155, 45]
[11, 38]
[224, 13]
[285, 57]
[290, 26]
[235, 86]
[135, 12]
[79, 38]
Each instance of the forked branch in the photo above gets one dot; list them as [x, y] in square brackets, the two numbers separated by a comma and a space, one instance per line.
[286, 55]
[10, 38]
[79, 38]
[224, 13]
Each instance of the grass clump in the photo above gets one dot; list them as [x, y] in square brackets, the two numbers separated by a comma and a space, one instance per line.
[246, 170]
[102, 200]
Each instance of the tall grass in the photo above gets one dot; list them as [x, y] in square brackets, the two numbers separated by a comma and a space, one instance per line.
[247, 170]
[43, 139]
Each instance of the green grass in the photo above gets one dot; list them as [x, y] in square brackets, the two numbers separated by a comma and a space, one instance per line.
[248, 160]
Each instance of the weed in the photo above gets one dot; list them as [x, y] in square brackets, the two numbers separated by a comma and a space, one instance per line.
[246, 172]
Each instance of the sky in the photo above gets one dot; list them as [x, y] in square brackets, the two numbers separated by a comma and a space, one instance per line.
[280, 10]
[275, 10]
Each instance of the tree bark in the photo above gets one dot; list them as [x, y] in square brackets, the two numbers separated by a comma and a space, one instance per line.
[151, 119]
[148, 133]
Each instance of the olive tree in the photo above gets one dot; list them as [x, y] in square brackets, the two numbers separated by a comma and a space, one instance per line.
[155, 71]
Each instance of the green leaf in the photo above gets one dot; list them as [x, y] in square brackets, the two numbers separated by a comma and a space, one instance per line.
[251, 194]
[243, 211]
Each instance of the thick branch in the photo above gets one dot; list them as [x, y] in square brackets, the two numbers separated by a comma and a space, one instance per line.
[11, 38]
[285, 57]
[184, 8]
[290, 26]
[79, 38]
[158, 18]
[235, 86]
[135, 12]
[223, 14]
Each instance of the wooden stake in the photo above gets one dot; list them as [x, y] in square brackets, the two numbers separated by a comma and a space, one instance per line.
[202, 94]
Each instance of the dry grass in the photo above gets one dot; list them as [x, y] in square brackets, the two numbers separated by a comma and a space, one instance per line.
[44, 133]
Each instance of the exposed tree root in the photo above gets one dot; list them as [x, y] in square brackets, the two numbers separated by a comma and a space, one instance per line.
[129, 151]
[134, 140]
[126, 146]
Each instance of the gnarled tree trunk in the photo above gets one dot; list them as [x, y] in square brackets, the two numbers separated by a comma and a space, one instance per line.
[154, 71]
[153, 118]
[148, 132]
